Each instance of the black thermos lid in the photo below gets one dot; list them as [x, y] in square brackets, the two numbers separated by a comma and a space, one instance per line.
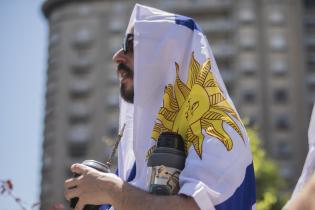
[171, 140]
[170, 151]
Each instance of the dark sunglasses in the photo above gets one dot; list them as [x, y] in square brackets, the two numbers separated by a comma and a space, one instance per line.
[128, 44]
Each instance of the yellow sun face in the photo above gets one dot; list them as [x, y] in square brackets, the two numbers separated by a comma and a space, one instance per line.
[199, 104]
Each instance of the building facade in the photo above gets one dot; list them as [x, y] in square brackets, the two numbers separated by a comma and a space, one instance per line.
[264, 49]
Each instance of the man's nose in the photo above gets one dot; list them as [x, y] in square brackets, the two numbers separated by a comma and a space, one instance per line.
[119, 57]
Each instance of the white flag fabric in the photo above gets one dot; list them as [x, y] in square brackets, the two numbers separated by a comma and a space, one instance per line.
[178, 88]
[309, 165]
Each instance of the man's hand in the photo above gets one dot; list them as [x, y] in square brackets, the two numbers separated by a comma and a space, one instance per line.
[92, 186]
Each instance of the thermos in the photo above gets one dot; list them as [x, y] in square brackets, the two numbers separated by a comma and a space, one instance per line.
[98, 166]
[165, 164]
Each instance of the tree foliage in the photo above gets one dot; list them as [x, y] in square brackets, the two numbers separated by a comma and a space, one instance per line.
[269, 184]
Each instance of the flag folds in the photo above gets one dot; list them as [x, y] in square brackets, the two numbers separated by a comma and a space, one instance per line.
[178, 87]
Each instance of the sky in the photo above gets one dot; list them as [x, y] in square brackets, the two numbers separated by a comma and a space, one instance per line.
[23, 55]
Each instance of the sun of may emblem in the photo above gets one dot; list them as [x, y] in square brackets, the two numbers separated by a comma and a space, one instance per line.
[199, 104]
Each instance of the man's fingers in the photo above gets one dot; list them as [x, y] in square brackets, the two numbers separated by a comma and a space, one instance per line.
[79, 168]
[71, 193]
[80, 205]
[71, 183]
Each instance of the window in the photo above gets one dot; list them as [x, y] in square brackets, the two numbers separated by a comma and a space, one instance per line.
[248, 42]
[248, 65]
[82, 65]
[247, 15]
[276, 17]
[218, 25]
[309, 21]
[78, 138]
[282, 122]
[286, 172]
[309, 4]
[116, 25]
[280, 95]
[311, 80]
[84, 10]
[247, 39]
[79, 134]
[284, 150]
[252, 121]
[310, 41]
[82, 38]
[279, 67]
[80, 88]
[227, 75]
[277, 42]
[79, 111]
[311, 60]
[223, 50]
[249, 96]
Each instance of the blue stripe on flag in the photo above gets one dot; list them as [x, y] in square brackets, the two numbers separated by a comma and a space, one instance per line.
[187, 21]
[245, 195]
[131, 176]
[105, 207]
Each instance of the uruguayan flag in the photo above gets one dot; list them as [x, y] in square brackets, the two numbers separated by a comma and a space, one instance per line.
[178, 88]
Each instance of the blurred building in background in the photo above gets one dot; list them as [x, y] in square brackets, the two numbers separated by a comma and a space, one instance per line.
[265, 50]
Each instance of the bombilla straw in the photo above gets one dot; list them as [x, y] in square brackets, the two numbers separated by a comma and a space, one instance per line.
[120, 134]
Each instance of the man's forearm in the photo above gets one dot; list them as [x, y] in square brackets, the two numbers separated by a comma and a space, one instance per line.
[94, 187]
[132, 198]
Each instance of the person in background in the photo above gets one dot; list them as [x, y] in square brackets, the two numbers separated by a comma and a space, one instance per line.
[304, 192]
[305, 199]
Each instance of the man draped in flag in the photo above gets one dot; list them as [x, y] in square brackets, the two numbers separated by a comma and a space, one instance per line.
[170, 82]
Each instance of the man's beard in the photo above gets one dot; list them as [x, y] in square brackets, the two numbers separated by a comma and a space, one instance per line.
[127, 93]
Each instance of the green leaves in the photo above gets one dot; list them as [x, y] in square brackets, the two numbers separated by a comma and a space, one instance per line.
[269, 184]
